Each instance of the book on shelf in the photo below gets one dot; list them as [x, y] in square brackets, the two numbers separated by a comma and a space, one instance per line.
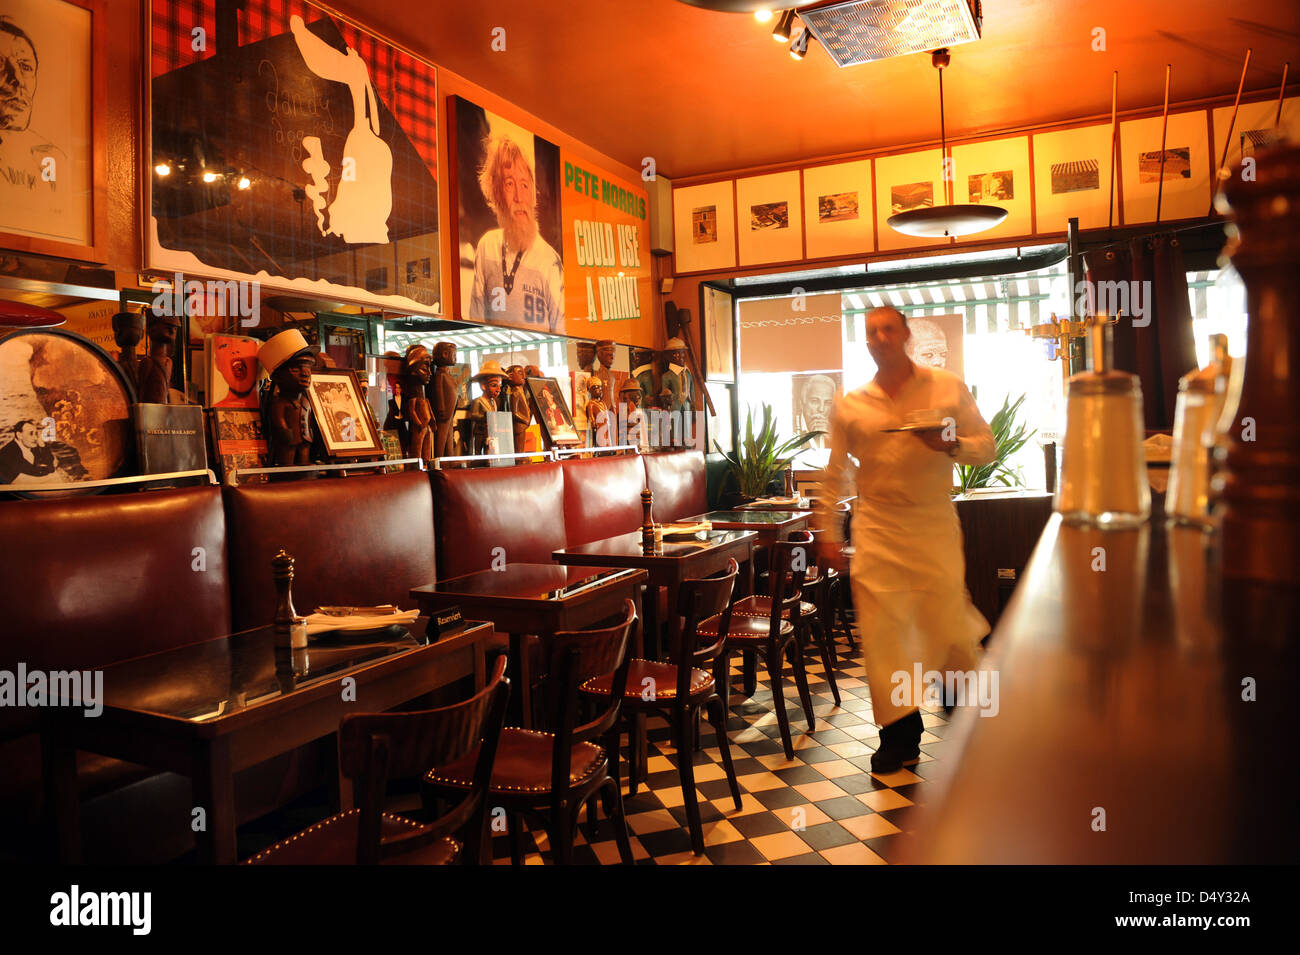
[169, 438]
[238, 441]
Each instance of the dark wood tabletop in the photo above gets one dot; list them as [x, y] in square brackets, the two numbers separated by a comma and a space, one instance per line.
[210, 709]
[771, 526]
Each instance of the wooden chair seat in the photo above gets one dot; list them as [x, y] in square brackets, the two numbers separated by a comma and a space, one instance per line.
[664, 676]
[333, 841]
[523, 764]
[761, 606]
[744, 629]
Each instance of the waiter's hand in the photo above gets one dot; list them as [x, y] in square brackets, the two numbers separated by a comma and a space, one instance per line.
[935, 441]
[831, 554]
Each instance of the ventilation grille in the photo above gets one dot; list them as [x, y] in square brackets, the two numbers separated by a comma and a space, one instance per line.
[863, 30]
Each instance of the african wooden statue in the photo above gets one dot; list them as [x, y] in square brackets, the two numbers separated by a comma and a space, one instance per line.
[418, 370]
[290, 427]
[519, 407]
[442, 397]
[598, 425]
[489, 379]
[154, 374]
[128, 330]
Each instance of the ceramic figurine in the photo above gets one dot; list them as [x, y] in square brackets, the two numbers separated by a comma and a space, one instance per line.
[290, 427]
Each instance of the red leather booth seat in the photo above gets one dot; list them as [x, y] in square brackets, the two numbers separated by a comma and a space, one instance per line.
[676, 478]
[355, 540]
[602, 497]
[477, 510]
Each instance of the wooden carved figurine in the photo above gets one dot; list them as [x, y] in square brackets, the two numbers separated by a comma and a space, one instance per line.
[417, 372]
[632, 418]
[489, 379]
[521, 411]
[597, 415]
[442, 398]
[128, 330]
[677, 390]
[604, 369]
[154, 375]
[290, 427]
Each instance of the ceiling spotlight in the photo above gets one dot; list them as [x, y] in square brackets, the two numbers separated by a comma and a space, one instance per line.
[762, 16]
[781, 33]
[209, 177]
[163, 169]
[800, 45]
[244, 182]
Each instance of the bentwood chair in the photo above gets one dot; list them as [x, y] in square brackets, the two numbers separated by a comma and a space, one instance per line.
[771, 632]
[680, 689]
[547, 777]
[375, 747]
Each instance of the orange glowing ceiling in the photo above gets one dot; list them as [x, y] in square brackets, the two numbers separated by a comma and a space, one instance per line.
[706, 92]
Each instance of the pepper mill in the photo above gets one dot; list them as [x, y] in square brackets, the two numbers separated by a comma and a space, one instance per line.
[286, 619]
[647, 521]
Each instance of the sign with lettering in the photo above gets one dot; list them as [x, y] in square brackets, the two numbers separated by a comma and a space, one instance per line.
[608, 288]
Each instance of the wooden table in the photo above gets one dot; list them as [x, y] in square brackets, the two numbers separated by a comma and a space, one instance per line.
[707, 553]
[540, 599]
[771, 526]
[210, 709]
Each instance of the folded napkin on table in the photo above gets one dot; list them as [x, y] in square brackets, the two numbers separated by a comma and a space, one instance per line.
[321, 623]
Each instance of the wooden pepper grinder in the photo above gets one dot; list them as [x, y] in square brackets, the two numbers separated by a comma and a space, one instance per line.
[290, 629]
[647, 521]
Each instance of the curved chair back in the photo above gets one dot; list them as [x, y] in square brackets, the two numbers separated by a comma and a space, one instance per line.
[698, 600]
[791, 559]
[376, 747]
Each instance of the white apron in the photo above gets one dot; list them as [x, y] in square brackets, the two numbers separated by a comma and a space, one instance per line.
[908, 570]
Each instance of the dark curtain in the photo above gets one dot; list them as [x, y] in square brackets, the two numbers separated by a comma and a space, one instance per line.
[1162, 350]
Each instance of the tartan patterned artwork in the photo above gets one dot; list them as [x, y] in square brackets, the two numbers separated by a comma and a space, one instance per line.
[293, 148]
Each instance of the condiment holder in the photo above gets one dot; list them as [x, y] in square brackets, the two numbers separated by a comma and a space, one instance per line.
[1201, 398]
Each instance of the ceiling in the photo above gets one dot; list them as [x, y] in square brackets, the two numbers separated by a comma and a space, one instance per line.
[707, 92]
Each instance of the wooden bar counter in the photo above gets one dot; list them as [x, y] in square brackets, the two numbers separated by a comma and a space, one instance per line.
[1121, 734]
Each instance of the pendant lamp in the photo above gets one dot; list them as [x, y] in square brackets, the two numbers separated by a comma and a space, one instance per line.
[22, 315]
[951, 218]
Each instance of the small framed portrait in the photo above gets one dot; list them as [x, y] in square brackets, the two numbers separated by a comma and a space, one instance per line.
[552, 413]
[342, 416]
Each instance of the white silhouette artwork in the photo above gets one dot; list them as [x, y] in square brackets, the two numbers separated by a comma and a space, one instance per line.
[364, 197]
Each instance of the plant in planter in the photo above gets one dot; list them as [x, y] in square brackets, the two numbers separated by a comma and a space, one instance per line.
[760, 460]
[1009, 436]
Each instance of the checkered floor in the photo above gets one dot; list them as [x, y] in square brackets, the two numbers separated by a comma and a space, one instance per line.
[822, 807]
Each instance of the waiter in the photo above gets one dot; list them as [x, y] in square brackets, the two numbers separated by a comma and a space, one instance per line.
[908, 570]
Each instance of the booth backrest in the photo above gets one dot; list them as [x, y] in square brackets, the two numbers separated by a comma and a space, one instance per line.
[88, 581]
[356, 540]
[477, 510]
[602, 497]
[676, 478]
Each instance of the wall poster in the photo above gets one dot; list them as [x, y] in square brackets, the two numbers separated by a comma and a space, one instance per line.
[903, 182]
[1186, 167]
[996, 172]
[837, 209]
[704, 227]
[770, 218]
[292, 147]
[1072, 178]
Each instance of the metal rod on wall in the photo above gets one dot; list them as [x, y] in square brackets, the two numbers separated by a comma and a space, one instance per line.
[1281, 92]
[1222, 173]
[1164, 137]
[1114, 142]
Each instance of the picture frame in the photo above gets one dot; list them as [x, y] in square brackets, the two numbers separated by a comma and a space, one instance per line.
[1252, 130]
[837, 203]
[906, 181]
[996, 172]
[1072, 178]
[1186, 193]
[216, 164]
[769, 218]
[718, 308]
[704, 227]
[342, 415]
[78, 403]
[68, 122]
[552, 413]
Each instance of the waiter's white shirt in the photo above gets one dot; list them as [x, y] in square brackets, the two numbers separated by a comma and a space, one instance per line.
[908, 570]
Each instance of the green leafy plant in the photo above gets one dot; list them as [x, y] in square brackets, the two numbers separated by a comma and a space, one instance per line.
[759, 459]
[1009, 436]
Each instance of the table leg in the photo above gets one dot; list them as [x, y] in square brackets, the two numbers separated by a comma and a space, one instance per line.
[650, 628]
[749, 563]
[638, 633]
[521, 695]
[214, 792]
[62, 795]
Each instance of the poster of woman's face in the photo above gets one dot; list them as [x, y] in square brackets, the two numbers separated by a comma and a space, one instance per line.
[45, 123]
[811, 399]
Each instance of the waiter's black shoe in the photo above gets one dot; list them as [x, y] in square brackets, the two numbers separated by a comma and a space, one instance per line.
[900, 744]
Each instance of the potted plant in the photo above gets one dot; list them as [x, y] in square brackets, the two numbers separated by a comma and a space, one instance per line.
[1009, 436]
[760, 460]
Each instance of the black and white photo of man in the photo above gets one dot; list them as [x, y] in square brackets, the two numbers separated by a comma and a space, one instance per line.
[813, 397]
[25, 454]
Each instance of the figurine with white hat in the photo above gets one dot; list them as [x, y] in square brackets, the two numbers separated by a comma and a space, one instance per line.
[289, 360]
[489, 379]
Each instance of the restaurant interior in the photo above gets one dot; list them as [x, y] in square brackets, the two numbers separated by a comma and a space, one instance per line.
[590, 434]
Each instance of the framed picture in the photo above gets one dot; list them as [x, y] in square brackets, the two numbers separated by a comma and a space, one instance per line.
[937, 341]
[65, 411]
[704, 227]
[52, 116]
[837, 209]
[996, 172]
[511, 264]
[811, 399]
[552, 413]
[717, 307]
[1072, 178]
[231, 371]
[302, 154]
[770, 218]
[1253, 130]
[341, 415]
[903, 182]
[1185, 192]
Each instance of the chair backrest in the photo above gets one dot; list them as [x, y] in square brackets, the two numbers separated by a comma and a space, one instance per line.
[790, 561]
[697, 600]
[573, 658]
[377, 747]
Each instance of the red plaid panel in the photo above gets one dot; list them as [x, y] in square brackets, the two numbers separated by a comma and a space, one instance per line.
[408, 86]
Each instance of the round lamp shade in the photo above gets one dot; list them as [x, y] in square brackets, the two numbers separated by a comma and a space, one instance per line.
[22, 315]
[948, 220]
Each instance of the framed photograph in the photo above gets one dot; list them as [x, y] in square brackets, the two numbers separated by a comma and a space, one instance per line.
[770, 214]
[704, 227]
[837, 209]
[1185, 166]
[231, 371]
[302, 154]
[511, 249]
[53, 109]
[342, 416]
[717, 307]
[811, 399]
[906, 181]
[1072, 178]
[65, 411]
[937, 341]
[996, 172]
[1253, 131]
[552, 413]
